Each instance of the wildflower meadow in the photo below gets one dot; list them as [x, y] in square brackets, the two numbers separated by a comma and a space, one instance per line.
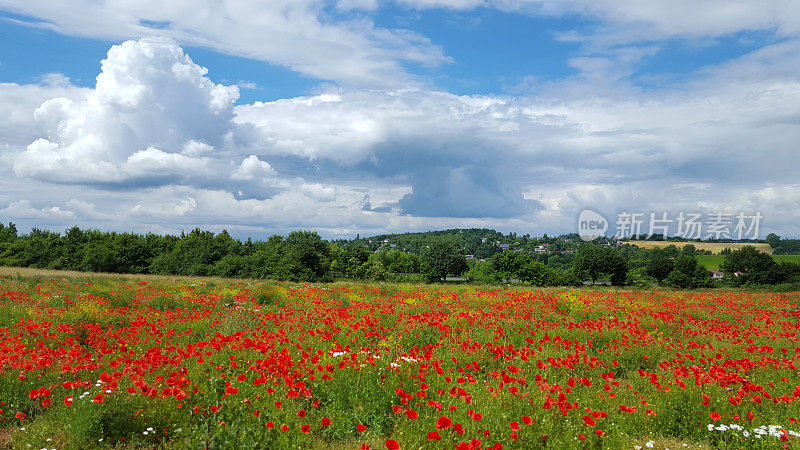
[99, 362]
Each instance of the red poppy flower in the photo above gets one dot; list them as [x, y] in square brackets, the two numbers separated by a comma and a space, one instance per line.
[68, 400]
[434, 436]
[391, 444]
[306, 429]
[326, 422]
[443, 422]
[527, 420]
[360, 428]
[587, 420]
[599, 432]
[301, 413]
[514, 425]
[98, 398]
[715, 416]
[411, 414]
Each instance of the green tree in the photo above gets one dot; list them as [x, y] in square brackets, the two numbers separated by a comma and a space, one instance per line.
[773, 240]
[373, 270]
[688, 273]
[659, 265]
[617, 268]
[482, 273]
[8, 233]
[349, 258]
[636, 277]
[507, 265]
[590, 261]
[754, 266]
[441, 259]
[594, 261]
[306, 255]
[536, 273]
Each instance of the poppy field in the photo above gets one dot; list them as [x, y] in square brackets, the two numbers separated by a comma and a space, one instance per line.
[167, 363]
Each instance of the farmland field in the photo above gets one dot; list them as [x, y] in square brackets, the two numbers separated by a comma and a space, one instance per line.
[90, 361]
[787, 258]
[714, 247]
[712, 262]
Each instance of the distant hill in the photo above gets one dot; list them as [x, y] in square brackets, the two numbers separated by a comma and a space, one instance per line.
[480, 242]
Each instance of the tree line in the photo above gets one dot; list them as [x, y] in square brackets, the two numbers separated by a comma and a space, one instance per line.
[305, 256]
[300, 256]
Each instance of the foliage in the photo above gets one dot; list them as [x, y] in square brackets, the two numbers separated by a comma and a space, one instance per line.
[688, 273]
[305, 256]
[783, 246]
[753, 267]
[440, 260]
[659, 265]
[594, 261]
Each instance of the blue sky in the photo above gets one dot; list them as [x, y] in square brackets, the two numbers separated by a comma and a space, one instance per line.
[360, 116]
[490, 51]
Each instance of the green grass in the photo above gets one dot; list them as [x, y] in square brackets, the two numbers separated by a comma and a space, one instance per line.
[712, 262]
[787, 258]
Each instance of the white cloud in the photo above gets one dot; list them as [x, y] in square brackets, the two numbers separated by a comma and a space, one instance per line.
[86, 210]
[346, 126]
[194, 149]
[252, 168]
[17, 103]
[448, 4]
[247, 85]
[150, 104]
[298, 34]
[641, 20]
[348, 5]
[319, 192]
[474, 156]
[154, 162]
[22, 209]
[379, 161]
[652, 19]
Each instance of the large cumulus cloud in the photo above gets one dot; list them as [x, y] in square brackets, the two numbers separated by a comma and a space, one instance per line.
[152, 113]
